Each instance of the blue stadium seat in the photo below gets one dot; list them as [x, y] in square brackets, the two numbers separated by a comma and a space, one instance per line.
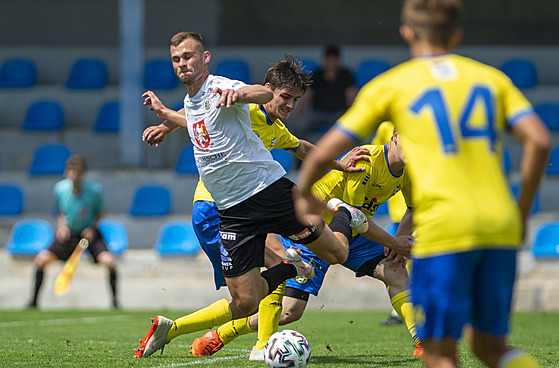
[49, 159]
[108, 119]
[553, 165]
[545, 243]
[549, 113]
[18, 73]
[507, 161]
[284, 157]
[114, 234]
[233, 69]
[515, 188]
[522, 72]
[159, 74]
[382, 210]
[11, 200]
[186, 163]
[369, 69]
[29, 237]
[310, 65]
[88, 73]
[177, 238]
[151, 200]
[45, 116]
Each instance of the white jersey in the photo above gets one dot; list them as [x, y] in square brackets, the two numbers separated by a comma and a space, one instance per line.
[232, 161]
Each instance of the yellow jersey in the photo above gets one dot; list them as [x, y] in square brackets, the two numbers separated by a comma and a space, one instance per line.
[451, 113]
[396, 204]
[367, 189]
[274, 134]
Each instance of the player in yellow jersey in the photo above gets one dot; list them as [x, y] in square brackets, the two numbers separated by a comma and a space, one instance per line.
[288, 82]
[451, 113]
[384, 176]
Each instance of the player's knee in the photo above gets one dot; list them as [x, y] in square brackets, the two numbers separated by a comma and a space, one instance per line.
[396, 276]
[246, 305]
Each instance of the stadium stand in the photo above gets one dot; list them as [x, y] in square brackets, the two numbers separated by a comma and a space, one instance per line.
[28, 237]
[108, 118]
[368, 69]
[234, 68]
[44, 115]
[553, 166]
[115, 235]
[186, 163]
[522, 72]
[545, 243]
[49, 159]
[159, 74]
[151, 200]
[177, 238]
[549, 113]
[88, 73]
[18, 73]
[11, 200]
[310, 65]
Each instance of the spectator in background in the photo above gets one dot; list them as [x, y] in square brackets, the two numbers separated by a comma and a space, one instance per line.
[331, 93]
[79, 205]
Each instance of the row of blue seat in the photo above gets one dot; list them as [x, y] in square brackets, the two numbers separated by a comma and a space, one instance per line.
[92, 73]
[28, 237]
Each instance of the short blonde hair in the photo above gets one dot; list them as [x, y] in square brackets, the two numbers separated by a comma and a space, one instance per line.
[432, 20]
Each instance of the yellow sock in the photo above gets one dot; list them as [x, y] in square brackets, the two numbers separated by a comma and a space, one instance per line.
[517, 359]
[269, 313]
[233, 329]
[403, 306]
[216, 314]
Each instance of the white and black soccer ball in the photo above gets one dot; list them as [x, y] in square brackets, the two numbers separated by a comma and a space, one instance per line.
[287, 348]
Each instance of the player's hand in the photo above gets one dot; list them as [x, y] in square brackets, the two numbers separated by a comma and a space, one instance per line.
[155, 104]
[88, 233]
[62, 234]
[402, 245]
[393, 257]
[228, 97]
[154, 135]
[350, 160]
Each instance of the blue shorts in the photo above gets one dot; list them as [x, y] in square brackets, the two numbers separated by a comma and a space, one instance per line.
[453, 290]
[361, 250]
[206, 225]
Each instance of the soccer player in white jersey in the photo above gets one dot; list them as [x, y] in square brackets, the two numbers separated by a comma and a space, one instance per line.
[451, 113]
[252, 196]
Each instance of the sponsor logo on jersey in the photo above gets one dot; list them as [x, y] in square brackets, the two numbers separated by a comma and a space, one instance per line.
[201, 134]
[228, 236]
[302, 235]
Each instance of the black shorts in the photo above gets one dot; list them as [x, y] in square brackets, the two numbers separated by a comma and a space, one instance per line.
[64, 250]
[243, 228]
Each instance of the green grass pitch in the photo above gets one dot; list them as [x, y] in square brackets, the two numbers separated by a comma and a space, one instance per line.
[338, 339]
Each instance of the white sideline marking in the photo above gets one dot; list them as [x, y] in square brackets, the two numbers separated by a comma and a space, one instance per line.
[65, 321]
[201, 361]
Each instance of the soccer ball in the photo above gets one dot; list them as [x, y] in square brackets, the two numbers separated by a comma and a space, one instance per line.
[287, 348]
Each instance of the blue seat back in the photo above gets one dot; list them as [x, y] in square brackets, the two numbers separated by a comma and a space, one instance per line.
[159, 74]
[18, 73]
[522, 72]
[176, 238]
[545, 243]
[151, 200]
[186, 163]
[549, 113]
[507, 161]
[108, 119]
[283, 157]
[553, 164]
[233, 69]
[88, 73]
[369, 69]
[49, 159]
[310, 65]
[11, 200]
[115, 235]
[29, 237]
[44, 115]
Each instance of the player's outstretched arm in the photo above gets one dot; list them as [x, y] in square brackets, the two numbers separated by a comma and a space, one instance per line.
[173, 117]
[534, 136]
[347, 164]
[400, 244]
[254, 93]
[154, 135]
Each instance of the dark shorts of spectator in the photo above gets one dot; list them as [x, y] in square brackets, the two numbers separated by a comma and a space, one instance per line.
[63, 250]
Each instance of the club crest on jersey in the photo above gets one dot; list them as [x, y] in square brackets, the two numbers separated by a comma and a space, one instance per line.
[201, 134]
[207, 105]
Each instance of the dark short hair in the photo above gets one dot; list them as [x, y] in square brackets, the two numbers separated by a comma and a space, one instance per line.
[432, 20]
[332, 50]
[181, 36]
[77, 160]
[288, 73]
